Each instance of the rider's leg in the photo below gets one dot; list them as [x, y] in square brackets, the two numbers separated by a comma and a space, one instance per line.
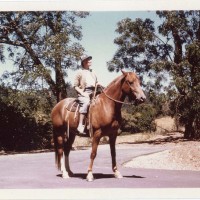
[81, 125]
[84, 104]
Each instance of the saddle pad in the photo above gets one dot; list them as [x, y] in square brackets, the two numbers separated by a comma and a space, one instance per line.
[72, 105]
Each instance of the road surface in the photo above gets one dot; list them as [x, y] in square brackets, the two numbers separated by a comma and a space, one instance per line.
[38, 171]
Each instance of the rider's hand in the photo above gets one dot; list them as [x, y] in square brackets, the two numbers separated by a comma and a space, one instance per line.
[101, 86]
[82, 93]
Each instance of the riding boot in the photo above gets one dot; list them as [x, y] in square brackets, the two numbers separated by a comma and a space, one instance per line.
[81, 126]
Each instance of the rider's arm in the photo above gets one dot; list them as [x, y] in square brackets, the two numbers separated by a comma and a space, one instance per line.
[81, 92]
[77, 85]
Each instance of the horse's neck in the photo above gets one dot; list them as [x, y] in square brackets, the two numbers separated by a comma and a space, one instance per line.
[113, 94]
[114, 90]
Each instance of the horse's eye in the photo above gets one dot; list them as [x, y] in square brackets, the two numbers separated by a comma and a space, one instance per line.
[130, 82]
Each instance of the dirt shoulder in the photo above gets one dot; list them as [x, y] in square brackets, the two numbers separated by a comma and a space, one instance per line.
[181, 154]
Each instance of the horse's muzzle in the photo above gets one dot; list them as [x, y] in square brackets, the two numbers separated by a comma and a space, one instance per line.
[140, 100]
[143, 99]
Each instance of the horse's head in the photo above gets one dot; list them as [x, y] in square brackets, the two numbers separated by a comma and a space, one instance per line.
[132, 87]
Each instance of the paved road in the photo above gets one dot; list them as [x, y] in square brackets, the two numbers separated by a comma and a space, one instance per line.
[37, 171]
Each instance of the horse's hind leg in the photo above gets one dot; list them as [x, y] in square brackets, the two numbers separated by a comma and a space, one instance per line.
[67, 149]
[112, 139]
[59, 140]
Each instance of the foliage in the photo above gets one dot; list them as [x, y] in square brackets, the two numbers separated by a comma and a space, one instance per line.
[139, 119]
[41, 45]
[169, 51]
[24, 120]
[160, 102]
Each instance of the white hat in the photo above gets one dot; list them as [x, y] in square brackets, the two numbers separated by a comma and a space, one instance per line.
[84, 57]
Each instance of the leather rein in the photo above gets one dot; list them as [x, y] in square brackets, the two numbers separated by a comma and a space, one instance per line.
[115, 100]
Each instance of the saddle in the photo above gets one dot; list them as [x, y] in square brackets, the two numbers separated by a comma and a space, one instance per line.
[73, 105]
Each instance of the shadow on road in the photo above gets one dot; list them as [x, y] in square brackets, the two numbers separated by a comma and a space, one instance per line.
[167, 139]
[96, 175]
[99, 176]
[133, 176]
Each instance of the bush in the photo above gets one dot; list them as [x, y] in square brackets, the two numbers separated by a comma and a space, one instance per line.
[139, 119]
[21, 127]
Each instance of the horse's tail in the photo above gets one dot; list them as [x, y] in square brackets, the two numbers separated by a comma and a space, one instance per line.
[57, 160]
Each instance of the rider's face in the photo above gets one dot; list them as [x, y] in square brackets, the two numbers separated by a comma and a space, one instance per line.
[87, 63]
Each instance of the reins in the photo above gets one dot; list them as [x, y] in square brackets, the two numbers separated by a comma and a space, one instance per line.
[115, 100]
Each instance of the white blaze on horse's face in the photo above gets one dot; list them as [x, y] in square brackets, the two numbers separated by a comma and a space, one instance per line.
[133, 87]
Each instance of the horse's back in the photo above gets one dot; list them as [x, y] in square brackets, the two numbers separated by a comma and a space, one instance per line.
[58, 112]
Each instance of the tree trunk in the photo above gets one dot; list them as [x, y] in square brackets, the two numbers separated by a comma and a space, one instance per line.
[197, 127]
[61, 90]
[178, 46]
[189, 129]
[178, 54]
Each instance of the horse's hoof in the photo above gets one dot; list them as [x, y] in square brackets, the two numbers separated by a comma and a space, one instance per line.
[118, 174]
[65, 176]
[90, 177]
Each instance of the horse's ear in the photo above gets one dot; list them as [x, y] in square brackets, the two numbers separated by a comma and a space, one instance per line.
[123, 72]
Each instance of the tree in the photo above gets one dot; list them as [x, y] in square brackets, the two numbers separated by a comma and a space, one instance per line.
[41, 44]
[171, 48]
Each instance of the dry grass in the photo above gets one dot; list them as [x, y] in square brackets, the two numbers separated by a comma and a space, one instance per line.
[167, 124]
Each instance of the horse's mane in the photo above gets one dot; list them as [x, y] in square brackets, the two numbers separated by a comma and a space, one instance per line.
[115, 81]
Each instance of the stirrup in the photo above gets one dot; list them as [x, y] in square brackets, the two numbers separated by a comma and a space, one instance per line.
[82, 133]
[80, 129]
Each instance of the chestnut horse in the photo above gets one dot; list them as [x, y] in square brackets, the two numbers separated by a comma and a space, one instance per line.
[104, 118]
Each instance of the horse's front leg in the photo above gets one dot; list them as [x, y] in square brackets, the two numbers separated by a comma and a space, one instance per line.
[95, 143]
[112, 139]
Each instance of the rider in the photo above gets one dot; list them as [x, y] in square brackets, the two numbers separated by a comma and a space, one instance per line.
[84, 83]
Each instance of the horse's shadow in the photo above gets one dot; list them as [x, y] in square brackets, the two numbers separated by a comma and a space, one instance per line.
[134, 176]
[99, 176]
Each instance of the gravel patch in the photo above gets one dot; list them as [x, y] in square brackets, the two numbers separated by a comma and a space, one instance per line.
[183, 156]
